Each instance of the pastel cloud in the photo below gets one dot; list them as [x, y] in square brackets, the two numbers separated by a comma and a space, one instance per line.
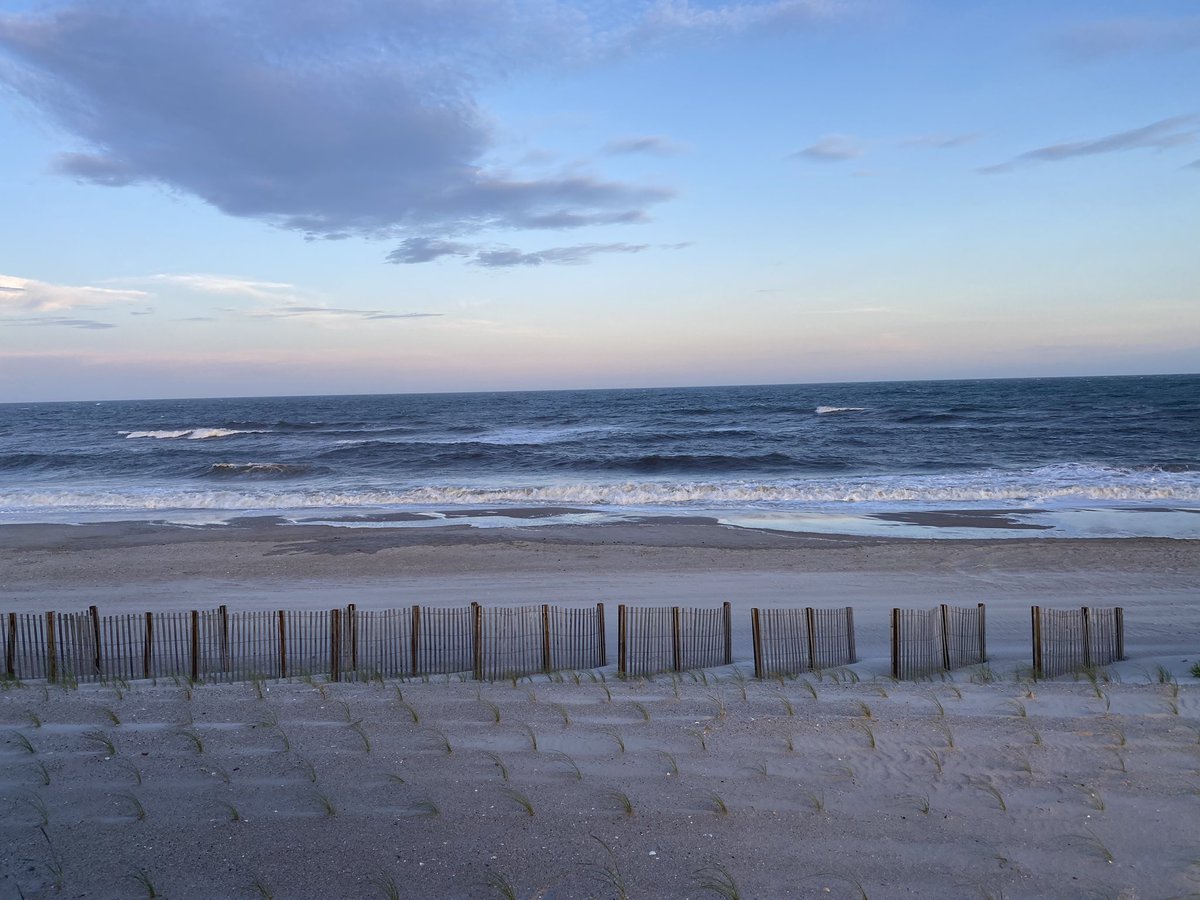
[1160, 135]
[831, 148]
[28, 295]
[1110, 38]
[419, 250]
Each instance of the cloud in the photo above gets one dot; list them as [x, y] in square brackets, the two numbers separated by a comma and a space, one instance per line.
[224, 285]
[56, 322]
[337, 119]
[503, 257]
[326, 312]
[28, 295]
[653, 145]
[1112, 38]
[942, 141]
[1159, 135]
[831, 148]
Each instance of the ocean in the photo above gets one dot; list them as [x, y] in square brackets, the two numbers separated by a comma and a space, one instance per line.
[1014, 457]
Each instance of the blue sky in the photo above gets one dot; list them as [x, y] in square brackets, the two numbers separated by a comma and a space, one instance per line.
[295, 197]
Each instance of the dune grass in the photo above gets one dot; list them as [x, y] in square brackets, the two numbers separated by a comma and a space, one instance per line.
[608, 873]
[517, 797]
[716, 879]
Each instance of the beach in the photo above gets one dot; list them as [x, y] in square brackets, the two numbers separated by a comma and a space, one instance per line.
[842, 783]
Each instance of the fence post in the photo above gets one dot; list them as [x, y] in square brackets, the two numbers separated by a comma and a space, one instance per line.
[415, 637]
[1087, 636]
[195, 645]
[850, 643]
[283, 668]
[895, 643]
[945, 610]
[1038, 671]
[622, 651]
[97, 655]
[51, 650]
[676, 639]
[1119, 619]
[352, 625]
[10, 649]
[148, 647]
[477, 641]
[335, 645]
[223, 621]
[547, 663]
[982, 633]
[603, 638]
[728, 633]
[810, 622]
[756, 630]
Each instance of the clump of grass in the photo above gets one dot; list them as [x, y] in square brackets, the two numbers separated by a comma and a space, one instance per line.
[563, 712]
[922, 803]
[411, 710]
[672, 763]
[937, 705]
[790, 744]
[218, 771]
[935, 758]
[357, 728]
[719, 711]
[948, 735]
[325, 802]
[501, 885]
[1172, 707]
[716, 879]
[570, 762]
[810, 687]
[759, 769]
[231, 811]
[642, 711]
[425, 807]
[34, 719]
[865, 727]
[532, 736]
[621, 800]
[143, 880]
[498, 762]
[1095, 801]
[1120, 760]
[849, 879]
[616, 736]
[38, 805]
[609, 873]
[193, 738]
[989, 788]
[864, 710]
[607, 692]
[518, 798]
[307, 769]
[816, 799]
[1018, 708]
[788, 709]
[1024, 763]
[55, 865]
[386, 885]
[492, 709]
[139, 811]
[23, 742]
[718, 804]
[1093, 840]
[102, 740]
[440, 740]
[45, 774]
[1118, 732]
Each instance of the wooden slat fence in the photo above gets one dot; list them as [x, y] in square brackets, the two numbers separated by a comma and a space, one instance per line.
[790, 641]
[925, 641]
[654, 639]
[1068, 640]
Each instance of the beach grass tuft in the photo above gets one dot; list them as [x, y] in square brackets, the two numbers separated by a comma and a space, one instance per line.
[425, 807]
[193, 738]
[23, 742]
[642, 711]
[718, 804]
[145, 883]
[570, 762]
[386, 885]
[563, 712]
[231, 811]
[357, 728]
[788, 709]
[987, 787]
[518, 798]
[810, 687]
[500, 884]
[102, 740]
[935, 758]
[1093, 840]
[716, 879]
[532, 736]
[616, 736]
[139, 811]
[259, 885]
[44, 772]
[38, 805]
[1018, 708]
[865, 727]
[440, 740]
[937, 705]
[498, 763]
[493, 710]
[608, 873]
[325, 802]
[621, 800]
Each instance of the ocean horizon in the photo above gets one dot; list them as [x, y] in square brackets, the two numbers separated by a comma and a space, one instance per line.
[1070, 456]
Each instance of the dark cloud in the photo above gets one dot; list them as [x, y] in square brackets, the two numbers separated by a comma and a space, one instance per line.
[653, 145]
[1159, 135]
[419, 250]
[831, 148]
[501, 257]
[57, 322]
[337, 119]
[333, 119]
[1096, 41]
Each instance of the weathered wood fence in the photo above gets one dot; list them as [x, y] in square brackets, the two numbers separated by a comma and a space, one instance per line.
[925, 641]
[654, 639]
[345, 644]
[1067, 640]
[789, 641]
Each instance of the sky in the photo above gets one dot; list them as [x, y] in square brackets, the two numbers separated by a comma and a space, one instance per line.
[293, 197]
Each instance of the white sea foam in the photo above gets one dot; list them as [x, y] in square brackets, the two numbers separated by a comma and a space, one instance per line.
[826, 410]
[191, 434]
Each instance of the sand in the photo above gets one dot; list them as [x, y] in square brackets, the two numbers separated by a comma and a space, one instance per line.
[985, 785]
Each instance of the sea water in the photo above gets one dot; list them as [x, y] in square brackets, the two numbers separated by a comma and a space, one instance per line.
[1012, 457]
